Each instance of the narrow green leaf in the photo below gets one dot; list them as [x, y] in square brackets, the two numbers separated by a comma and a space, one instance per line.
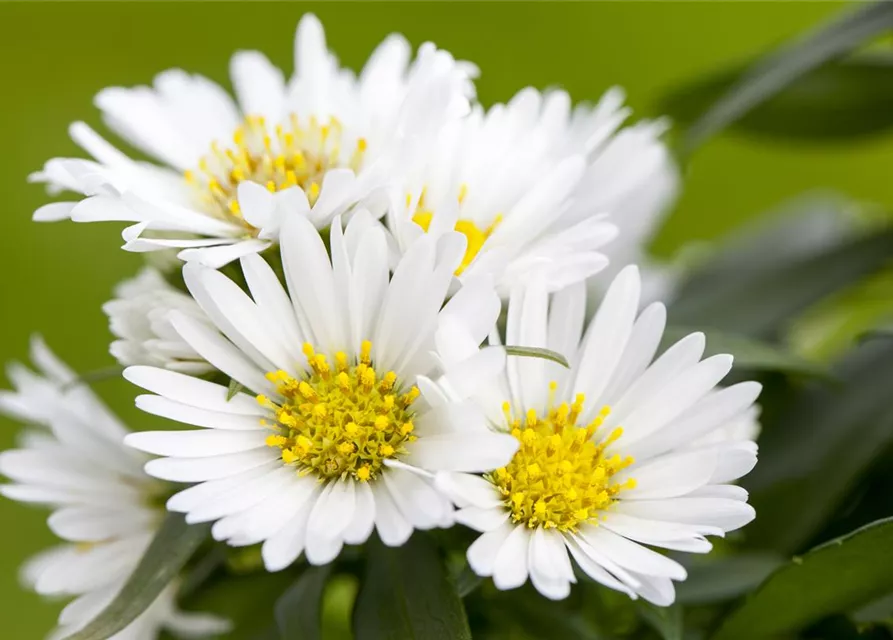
[779, 69]
[172, 546]
[298, 609]
[839, 101]
[407, 595]
[667, 621]
[234, 388]
[750, 353]
[537, 352]
[759, 290]
[832, 578]
[827, 437]
[716, 580]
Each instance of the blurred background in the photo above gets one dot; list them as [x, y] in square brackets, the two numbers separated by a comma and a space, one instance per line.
[55, 57]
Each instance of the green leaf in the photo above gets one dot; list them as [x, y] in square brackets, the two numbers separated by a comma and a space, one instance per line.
[715, 580]
[832, 578]
[537, 352]
[840, 100]
[667, 621]
[758, 289]
[407, 595]
[234, 388]
[825, 438]
[298, 609]
[750, 353]
[172, 546]
[791, 62]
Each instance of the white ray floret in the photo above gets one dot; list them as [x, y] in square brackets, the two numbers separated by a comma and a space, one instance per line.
[530, 184]
[344, 425]
[139, 317]
[312, 145]
[73, 459]
[616, 453]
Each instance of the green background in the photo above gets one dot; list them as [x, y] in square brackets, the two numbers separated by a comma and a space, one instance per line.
[56, 56]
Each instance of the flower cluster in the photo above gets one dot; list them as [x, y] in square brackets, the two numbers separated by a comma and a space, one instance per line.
[357, 269]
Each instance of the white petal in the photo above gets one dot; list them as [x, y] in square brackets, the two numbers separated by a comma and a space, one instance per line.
[196, 444]
[210, 468]
[468, 490]
[550, 571]
[284, 547]
[469, 452]
[159, 406]
[482, 552]
[416, 498]
[192, 391]
[669, 476]
[392, 527]
[360, 528]
[631, 555]
[510, 564]
[594, 570]
[332, 514]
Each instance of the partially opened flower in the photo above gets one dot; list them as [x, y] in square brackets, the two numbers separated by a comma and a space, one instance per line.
[139, 317]
[612, 453]
[530, 184]
[73, 459]
[319, 142]
[343, 427]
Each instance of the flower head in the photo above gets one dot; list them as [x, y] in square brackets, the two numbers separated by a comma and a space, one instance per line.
[312, 145]
[139, 319]
[533, 185]
[614, 454]
[343, 427]
[73, 459]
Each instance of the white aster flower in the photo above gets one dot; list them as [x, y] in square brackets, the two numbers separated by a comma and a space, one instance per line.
[74, 460]
[610, 458]
[320, 142]
[139, 317]
[529, 184]
[346, 427]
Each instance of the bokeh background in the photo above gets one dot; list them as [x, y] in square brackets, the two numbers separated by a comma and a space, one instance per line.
[54, 57]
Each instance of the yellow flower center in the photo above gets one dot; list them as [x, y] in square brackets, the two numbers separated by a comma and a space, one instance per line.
[560, 476]
[296, 154]
[340, 422]
[475, 235]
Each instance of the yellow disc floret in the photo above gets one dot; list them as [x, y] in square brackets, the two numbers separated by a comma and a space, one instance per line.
[561, 475]
[296, 153]
[341, 421]
[475, 235]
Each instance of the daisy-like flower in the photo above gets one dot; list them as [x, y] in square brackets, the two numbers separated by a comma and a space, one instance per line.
[319, 143]
[73, 459]
[347, 424]
[529, 184]
[612, 456]
[139, 318]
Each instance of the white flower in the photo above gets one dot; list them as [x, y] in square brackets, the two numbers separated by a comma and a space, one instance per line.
[610, 458]
[74, 460]
[530, 182]
[347, 426]
[322, 141]
[139, 318]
